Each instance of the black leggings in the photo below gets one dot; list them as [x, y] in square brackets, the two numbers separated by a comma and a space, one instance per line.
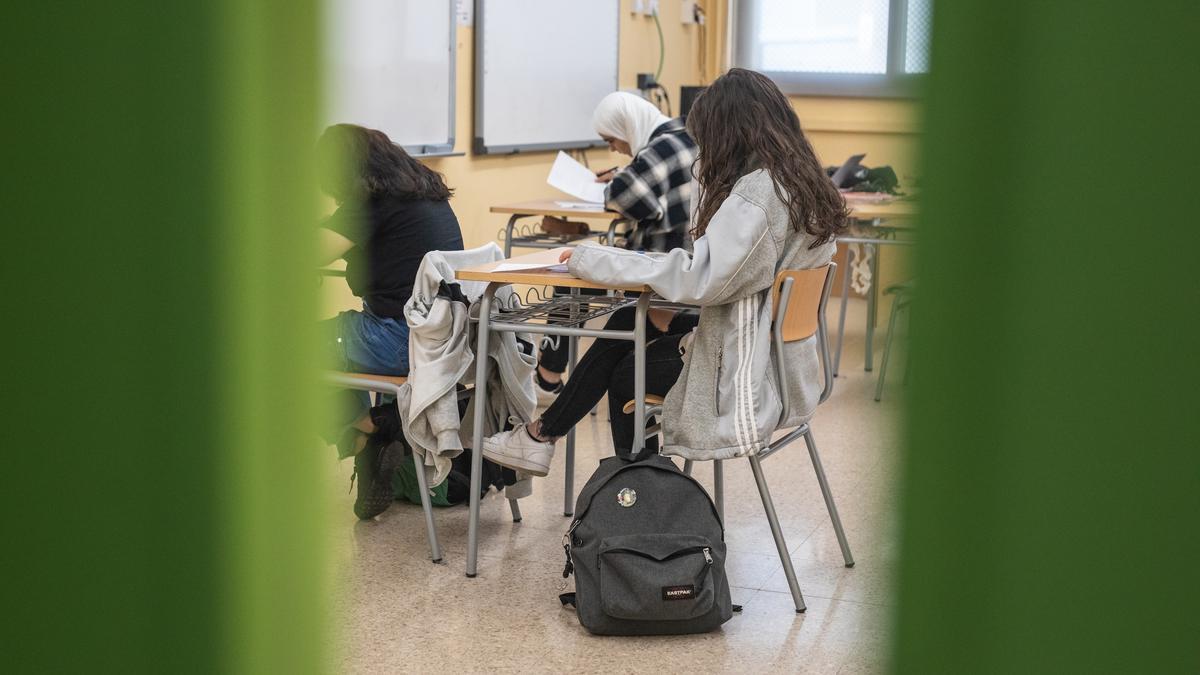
[608, 367]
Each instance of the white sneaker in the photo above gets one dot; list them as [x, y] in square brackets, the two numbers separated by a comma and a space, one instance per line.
[519, 451]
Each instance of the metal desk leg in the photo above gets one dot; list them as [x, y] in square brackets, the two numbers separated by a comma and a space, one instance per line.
[872, 306]
[481, 362]
[508, 234]
[569, 463]
[639, 371]
[837, 355]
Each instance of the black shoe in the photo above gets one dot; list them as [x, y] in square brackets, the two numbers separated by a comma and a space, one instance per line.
[373, 467]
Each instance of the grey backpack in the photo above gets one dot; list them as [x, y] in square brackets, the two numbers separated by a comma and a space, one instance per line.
[648, 551]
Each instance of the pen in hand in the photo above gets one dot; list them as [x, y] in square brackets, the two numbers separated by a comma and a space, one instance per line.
[606, 175]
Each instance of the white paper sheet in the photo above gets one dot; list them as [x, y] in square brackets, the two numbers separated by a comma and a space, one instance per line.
[582, 206]
[526, 267]
[575, 179]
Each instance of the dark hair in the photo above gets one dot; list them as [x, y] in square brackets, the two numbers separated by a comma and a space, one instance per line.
[742, 122]
[357, 162]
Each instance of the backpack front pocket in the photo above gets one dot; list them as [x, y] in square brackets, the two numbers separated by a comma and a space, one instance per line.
[654, 577]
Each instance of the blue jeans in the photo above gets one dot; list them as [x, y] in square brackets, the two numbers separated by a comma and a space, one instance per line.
[361, 342]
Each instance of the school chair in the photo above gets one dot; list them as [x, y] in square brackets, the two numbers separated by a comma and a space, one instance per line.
[801, 296]
[384, 384]
[902, 301]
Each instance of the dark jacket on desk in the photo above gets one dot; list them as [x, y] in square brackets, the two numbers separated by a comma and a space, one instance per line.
[726, 402]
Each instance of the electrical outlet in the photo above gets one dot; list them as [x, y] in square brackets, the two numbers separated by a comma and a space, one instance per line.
[688, 11]
[639, 6]
[651, 7]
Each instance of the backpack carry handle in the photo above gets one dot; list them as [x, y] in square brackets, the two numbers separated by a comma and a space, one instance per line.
[641, 456]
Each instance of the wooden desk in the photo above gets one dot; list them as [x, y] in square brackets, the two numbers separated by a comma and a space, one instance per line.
[902, 211]
[882, 221]
[563, 315]
[548, 207]
[535, 277]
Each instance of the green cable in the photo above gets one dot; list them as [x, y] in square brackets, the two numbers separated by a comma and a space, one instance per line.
[662, 47]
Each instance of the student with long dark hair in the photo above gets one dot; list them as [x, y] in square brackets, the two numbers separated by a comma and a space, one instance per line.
[392, 210]
[765, 205]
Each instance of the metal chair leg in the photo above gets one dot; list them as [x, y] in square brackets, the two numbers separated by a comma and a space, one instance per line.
[427, 506]
[516, 510]
[837, 354]
[719, 488]
[687, 466]
[777, 533]
[887, 347]
[872, 308]
[828, 495]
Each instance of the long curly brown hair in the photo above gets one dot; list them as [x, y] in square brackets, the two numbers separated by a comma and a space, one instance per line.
[356, 162]
[742, 122]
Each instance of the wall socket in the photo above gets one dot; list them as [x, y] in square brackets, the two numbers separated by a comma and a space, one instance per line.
[645, 7]
[688, 11]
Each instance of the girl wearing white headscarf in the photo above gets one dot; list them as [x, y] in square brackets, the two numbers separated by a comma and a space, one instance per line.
[625, 117]
[655, 190]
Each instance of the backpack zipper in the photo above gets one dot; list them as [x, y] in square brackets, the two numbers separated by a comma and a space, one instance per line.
[566, 543]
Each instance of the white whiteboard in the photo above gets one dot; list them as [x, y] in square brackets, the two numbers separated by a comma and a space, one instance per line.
[389, 65]
[541, 66]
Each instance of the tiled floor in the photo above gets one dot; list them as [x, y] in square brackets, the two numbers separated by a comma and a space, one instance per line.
[397, 612]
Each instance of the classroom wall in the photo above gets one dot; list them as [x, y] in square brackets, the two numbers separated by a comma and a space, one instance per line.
[886, 129]
[482, 181]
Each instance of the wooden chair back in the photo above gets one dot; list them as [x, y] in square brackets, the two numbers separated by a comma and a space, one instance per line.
[801, 317]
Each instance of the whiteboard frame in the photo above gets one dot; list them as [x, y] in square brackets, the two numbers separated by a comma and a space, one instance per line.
[445, 149]
[480, 145]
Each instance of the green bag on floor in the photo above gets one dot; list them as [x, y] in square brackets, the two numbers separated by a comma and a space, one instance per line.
[405, 483]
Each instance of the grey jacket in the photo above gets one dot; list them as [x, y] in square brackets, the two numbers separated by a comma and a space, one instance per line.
[726, 402]
[441, 355]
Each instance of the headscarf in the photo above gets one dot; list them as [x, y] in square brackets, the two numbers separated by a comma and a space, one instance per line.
[628, 117]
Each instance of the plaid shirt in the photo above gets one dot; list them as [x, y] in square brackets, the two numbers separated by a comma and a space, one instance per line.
[656, 189]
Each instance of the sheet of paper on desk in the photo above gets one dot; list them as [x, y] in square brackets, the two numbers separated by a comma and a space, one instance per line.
[583, 206]
[575, 179]
[529, 267]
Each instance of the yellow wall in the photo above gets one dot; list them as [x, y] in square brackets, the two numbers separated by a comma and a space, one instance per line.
[888, 131]
[838, 127]
[482, 181]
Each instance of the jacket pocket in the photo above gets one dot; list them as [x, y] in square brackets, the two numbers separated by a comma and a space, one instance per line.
[656, 577]
[717, 380]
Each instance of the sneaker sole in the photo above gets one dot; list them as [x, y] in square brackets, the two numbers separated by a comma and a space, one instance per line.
[517, 464]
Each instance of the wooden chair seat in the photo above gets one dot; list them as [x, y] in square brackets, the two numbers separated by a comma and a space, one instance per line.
[651, 399]
[383, 379]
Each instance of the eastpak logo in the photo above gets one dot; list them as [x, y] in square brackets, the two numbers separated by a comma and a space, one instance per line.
[678, 592]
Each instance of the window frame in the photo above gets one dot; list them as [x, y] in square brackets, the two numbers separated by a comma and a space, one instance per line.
[894, 83]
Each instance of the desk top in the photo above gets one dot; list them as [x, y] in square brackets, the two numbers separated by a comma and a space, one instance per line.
[901, 209]
[892, 210]
[548, 207]
[534, 277]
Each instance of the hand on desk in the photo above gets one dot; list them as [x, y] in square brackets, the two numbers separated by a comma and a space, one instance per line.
[565, 255]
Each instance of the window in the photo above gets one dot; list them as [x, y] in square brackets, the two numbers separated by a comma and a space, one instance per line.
[835, 47]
